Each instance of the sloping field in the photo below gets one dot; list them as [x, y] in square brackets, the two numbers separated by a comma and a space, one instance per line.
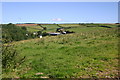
[26, 24]
[53, 27]
[90, 52]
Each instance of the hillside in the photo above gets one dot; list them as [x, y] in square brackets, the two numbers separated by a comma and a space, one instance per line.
[90, 52]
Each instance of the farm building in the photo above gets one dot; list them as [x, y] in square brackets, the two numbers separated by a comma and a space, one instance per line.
[54, 34]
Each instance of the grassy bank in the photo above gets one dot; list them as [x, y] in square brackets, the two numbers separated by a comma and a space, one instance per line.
[87, 53]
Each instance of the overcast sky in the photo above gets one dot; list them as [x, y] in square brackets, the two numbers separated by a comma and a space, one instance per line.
[60, 12]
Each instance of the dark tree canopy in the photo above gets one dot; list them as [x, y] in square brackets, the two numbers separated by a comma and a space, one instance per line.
[11, 32]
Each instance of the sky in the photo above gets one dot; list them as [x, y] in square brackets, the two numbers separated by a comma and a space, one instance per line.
[59, 0]
[59, 12]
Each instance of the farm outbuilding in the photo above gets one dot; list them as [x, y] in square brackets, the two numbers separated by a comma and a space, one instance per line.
[40, 36]
[54, 34]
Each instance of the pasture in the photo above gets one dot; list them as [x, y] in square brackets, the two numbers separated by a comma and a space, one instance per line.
[90, 52]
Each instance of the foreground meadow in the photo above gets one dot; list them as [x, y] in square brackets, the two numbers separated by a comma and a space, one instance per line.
[90, 52]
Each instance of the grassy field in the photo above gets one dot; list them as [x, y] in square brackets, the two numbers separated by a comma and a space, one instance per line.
[90, 52]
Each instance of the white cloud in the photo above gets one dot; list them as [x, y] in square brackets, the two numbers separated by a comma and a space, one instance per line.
[57, 19]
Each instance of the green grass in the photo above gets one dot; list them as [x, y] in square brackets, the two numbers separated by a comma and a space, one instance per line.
[90, 52]
[33, 28]
[80, 28]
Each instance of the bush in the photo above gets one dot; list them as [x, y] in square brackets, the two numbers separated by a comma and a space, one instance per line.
[24, 28]
[11, 32]
[10, 58]
[44, 34]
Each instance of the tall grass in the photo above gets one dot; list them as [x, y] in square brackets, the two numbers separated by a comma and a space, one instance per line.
[11, 58]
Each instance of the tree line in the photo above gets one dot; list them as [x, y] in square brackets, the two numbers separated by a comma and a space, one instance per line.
[11, 32]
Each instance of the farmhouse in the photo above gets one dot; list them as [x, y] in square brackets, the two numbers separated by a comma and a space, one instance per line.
[34, 33]
[40, 36]
[54, 34]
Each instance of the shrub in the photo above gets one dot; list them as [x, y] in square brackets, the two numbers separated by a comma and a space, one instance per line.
[11, 32]
[44, 34]
[10, 58]
[24, 28]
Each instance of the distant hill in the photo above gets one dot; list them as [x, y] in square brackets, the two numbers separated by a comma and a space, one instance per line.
[29, 24]
[26, 24]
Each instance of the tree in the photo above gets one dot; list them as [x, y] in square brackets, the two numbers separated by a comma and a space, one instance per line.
[24, 28]
[11, 32]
